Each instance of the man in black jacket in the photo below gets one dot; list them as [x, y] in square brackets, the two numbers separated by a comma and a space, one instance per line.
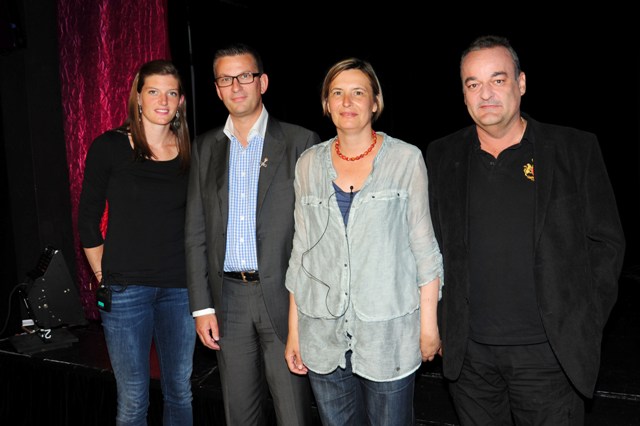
[533, 247]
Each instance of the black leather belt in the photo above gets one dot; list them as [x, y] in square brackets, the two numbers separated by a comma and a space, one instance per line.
[246, 276]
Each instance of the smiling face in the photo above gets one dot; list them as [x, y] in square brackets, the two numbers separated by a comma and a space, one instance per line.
[159, 99]
[241, 100]
[351, 102]
[492, 91]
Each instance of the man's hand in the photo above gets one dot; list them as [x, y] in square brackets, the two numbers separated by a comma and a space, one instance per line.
[207, 329]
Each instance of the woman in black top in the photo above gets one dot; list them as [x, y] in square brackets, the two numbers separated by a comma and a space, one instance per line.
[138, 171]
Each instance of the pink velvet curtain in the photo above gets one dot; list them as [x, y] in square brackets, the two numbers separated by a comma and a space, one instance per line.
[102, 43]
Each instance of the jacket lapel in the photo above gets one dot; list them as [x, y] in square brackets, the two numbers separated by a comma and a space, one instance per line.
[462, 179]
[544, 160]
[272, 155]
[220, 173]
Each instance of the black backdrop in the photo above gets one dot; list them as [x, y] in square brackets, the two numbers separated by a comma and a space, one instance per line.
[582, 69]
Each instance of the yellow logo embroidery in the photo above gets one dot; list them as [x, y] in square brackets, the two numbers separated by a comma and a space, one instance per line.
[528, 171]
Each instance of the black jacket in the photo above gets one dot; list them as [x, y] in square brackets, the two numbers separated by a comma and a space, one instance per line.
[578, 244]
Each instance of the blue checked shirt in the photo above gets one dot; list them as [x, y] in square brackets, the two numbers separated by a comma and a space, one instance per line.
[244, 171]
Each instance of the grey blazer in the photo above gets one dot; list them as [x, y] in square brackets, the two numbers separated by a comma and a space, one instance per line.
[207, 214]
[578, 244]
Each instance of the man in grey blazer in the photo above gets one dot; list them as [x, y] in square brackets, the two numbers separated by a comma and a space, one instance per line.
[532, 255]
[239, 232]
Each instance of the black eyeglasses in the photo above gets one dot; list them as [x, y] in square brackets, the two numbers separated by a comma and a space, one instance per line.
[244, 78]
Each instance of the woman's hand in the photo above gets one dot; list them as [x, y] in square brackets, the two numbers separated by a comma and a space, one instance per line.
[292, 348]
[430, 343]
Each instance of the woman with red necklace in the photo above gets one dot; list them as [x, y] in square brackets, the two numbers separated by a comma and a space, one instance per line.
[365, 273]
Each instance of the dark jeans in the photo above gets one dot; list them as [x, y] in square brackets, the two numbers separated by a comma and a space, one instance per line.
[515, 385]
[345, 399]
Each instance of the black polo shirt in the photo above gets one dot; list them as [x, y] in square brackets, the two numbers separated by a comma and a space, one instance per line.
[503, 305]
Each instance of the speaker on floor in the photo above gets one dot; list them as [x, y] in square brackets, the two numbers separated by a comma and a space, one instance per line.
[51, 296]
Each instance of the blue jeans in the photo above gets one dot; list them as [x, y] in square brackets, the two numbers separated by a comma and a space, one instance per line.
[344, 398]
[138, 315]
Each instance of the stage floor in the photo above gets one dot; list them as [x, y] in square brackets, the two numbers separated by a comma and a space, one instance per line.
[74, 385]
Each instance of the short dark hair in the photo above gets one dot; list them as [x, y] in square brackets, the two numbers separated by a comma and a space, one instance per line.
[237, 49]
[488, 42]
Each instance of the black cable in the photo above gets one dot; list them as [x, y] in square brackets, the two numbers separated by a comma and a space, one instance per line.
[319, 239]
[313, 277]
[6, 321]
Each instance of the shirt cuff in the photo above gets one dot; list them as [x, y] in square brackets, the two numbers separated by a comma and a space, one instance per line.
[201, 312]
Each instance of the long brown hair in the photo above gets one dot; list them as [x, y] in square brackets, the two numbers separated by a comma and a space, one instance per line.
[179, 125]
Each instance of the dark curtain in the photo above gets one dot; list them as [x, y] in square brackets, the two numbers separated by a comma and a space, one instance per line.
[102, 44]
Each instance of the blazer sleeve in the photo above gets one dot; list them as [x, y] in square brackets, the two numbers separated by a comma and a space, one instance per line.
[195, 237]
[605, 236]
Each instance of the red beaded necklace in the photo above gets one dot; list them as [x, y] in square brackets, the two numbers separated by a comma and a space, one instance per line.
[345, 158]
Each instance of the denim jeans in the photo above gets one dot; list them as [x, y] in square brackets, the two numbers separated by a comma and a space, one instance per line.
[344, 398]
[138, 315]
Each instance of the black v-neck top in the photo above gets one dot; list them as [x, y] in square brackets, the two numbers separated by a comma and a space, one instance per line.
[144, 242]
